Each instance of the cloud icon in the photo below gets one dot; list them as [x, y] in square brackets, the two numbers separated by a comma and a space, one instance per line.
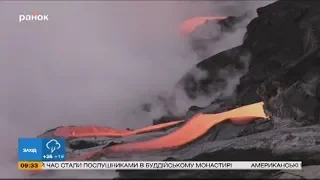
[53, 145]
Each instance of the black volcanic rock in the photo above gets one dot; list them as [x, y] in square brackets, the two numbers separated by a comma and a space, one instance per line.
[282, 34]
[206, 35]
[293, 91]
[286, 144]
[284, 73]
[218, 68]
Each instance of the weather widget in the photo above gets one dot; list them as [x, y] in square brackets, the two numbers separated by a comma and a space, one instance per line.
[41, 149]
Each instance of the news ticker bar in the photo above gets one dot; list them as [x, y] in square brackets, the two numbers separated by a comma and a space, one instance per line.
[159, 165]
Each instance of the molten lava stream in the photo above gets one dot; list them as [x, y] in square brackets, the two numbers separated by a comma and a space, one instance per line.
[189, 25]
[98, 131]
[190, 131]
[194, 128]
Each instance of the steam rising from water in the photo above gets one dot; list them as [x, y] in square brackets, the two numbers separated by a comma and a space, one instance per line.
[92, 63]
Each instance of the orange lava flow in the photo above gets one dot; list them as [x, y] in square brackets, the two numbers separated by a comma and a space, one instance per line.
[190, 131]
[98, 131]
[195, 128]
[189, 25]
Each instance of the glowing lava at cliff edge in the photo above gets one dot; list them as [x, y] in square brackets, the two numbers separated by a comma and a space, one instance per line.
[190, 24]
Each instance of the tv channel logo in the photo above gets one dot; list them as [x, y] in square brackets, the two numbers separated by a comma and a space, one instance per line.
[41, 149]
[34, 16]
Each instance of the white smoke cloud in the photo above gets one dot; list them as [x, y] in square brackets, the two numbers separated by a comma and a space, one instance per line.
[231, 77]
[92, 63]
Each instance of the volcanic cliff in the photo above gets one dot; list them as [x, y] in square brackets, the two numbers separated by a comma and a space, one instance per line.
[284, 73]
